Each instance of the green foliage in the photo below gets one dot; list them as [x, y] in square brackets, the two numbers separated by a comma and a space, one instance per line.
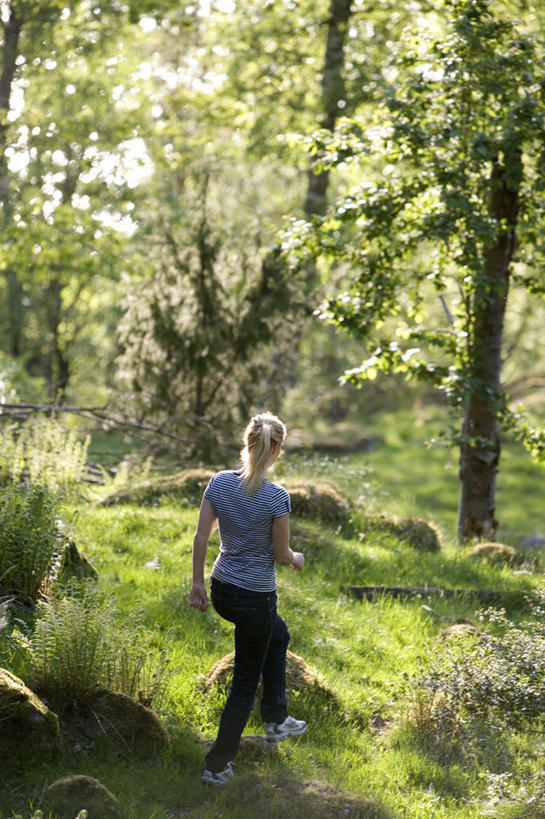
[43, 450]
[197, 334]
[77, 645]
[31, 543]
[424, 227]
[497, 679]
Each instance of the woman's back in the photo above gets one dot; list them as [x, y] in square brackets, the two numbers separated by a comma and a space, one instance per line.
[245, 523]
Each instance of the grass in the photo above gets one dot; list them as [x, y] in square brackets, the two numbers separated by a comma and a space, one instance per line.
[365, 651]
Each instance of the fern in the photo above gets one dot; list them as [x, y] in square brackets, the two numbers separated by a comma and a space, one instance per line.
[43, 451]
[78, 645]
[31, 543]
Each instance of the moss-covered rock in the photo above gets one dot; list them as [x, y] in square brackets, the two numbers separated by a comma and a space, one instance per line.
[299, 678]
[317, 500]
[497, 553]
[71, 794]
[189, 484]
[137, 728]
[458, 631]
[27, 726]
[415, 532]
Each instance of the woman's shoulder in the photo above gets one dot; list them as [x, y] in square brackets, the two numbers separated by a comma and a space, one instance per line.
[225, 477]
[276, 489]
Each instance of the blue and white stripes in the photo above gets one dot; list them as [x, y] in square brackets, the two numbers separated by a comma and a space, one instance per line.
[245, 522]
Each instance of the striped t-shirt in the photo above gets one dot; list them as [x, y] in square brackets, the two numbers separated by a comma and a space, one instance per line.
[245, 522]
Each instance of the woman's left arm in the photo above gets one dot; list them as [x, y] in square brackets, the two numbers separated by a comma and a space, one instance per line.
[207, 517]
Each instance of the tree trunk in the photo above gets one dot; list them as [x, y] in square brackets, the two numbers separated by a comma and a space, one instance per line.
[12, 30]
[480, 448]
[59, 370]
[333, 92]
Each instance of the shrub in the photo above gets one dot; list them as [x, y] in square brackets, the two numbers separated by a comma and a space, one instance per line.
[31, 542]
[77, 646]
[43, 451]
[496, 677]
[507, 798]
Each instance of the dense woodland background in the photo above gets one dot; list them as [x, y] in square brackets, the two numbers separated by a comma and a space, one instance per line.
[186, 236]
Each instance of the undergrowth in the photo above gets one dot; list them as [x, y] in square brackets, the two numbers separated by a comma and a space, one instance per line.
[77, 645]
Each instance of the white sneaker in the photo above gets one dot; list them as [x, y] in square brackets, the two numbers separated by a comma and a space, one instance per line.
[219, 778]
[277, 731]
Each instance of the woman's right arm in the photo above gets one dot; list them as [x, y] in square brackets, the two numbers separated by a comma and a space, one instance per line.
[207, 517]
[281, 544]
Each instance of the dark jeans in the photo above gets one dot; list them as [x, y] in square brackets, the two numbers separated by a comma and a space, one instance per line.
[261, 642]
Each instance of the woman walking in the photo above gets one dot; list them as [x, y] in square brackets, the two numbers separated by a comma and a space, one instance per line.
[253, 518]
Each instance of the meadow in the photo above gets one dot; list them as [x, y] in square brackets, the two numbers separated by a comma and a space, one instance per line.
[364, 753]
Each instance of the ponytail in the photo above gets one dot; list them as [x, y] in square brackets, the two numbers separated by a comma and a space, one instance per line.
[262, 433]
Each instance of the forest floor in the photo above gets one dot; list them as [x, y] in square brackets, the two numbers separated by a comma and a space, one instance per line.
[364, 754]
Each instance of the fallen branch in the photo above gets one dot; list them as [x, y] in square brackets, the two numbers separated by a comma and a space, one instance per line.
[370, 592]
[93, 413]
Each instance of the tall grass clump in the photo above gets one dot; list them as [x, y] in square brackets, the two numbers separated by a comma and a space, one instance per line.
[31, 541]
[42, 450]
[78, 645]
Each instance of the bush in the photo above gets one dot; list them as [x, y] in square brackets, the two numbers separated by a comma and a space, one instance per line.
[31, 542]
[43, 451]
[77, 646]
[497, 678]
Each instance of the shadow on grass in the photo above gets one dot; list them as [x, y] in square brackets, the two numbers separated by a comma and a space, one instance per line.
[269, 795]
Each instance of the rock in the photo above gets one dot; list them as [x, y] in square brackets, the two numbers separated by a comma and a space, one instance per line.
[317, 500]
[498, 553]
[71, 794]
[299, 678]
[189, 484]
[532, 542]
[458, 631]
[136, 727]
[415, 532]
[27, 726]
[77, 564]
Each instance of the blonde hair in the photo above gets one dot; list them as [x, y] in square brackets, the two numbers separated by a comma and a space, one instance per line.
[262, 433]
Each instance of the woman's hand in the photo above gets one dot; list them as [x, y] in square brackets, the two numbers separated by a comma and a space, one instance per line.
[298, 561]
[198, 597]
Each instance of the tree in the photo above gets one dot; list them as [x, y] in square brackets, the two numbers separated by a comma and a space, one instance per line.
[454, 168]
[199, 323]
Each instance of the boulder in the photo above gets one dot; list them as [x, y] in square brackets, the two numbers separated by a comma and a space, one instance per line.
[415, 532]
[137, 728]
[189, 485]
[317, 500]
[299, 678]
[498, 553]
[71, 794]
[458, 631]
[27, 726]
